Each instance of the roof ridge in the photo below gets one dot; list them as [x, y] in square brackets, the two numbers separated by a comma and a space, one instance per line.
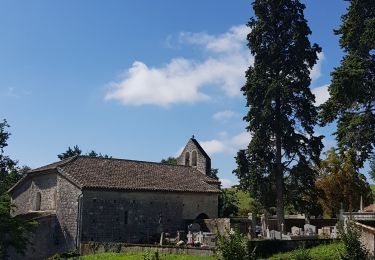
[200, 148]
[131, 160]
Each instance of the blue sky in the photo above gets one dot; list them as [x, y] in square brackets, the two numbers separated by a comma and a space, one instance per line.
[135, 79]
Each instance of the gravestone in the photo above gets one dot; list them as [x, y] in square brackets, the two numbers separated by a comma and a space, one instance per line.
[190, 238]
[199, 237]
[295, 231]
[309, 229]
[326, 231]
[334, 233]
[275, 234]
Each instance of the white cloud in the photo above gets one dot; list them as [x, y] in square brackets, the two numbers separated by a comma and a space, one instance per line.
[321, 94]
[223, 115]
[181, 79]
[231, 41]
[226, 144]
[227, 183]
[316, 71]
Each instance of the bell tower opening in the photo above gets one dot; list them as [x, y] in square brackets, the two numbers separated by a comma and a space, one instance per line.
[194, 158]
[187, 158]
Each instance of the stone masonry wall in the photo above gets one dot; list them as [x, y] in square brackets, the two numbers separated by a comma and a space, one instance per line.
[25, 195]
[46, 241]
[139, 217]
[67, 211]
[203, 163]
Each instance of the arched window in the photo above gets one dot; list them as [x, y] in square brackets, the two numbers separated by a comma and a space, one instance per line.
[38, 201]
[54, 200]
[202, 216]
[187, 158]
[194, 158]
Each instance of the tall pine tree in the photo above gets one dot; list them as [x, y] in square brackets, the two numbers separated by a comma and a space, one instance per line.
[352, 90]
[281, 113]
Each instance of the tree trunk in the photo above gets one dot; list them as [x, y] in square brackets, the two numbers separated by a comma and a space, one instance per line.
[279, 170]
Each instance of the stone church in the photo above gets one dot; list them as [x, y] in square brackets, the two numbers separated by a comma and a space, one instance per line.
[97, 199]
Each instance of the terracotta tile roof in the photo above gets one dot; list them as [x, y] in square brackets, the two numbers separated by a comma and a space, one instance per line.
[110, 173]
[370, 208]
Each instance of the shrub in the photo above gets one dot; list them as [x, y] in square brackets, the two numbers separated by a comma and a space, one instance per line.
[301, 254]
[353, 248]
[233, 246]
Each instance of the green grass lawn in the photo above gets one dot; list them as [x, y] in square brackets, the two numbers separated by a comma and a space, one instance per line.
[142, 256]
[327, 252]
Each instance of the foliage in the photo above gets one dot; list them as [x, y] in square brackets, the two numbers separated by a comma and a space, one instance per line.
[372, 167]
[9, 172]
[77, 151]
[70, 152]
[95, 154]
[281, 113]
[170, 160]
[14, 231]
[232, 246]
[352, 90]
[213, 173]
[301, 192]
[353, 248]
[228, 203]
[151, 256]
[341, 183]
[328, 252]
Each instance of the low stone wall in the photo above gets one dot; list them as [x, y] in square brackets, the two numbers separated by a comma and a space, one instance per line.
[367, 237]
[88, 248]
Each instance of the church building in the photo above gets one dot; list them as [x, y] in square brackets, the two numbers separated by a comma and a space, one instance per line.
[84, 198]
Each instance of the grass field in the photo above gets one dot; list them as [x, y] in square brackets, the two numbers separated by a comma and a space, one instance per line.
[326, 252]
[143, 256]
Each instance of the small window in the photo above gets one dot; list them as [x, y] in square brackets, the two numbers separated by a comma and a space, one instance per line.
[187, 158]
[54, 200]
[38, 201]
[194, 158]
[126, 218]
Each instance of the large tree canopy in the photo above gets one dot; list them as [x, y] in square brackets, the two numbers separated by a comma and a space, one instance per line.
[352, 90]
[77, 151]
[9, 172]
[14, 232]
[342, 184]
[281, 113]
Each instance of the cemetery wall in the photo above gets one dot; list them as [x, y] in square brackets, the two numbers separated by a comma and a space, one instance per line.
[93, 248]
[367, 237]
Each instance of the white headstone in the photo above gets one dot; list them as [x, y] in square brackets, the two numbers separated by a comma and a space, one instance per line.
[190, 238]
[309, 229]
[200, 237]
[295, 231]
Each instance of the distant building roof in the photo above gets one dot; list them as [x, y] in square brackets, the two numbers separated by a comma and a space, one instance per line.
[369, 208]
[121, 174]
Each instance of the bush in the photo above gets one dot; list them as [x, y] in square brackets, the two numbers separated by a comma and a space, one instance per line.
[329, 251]
[233, 246]
[353, 248]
